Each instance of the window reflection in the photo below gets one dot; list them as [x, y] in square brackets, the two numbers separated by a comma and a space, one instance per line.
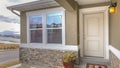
[36, 36]
[54, 36]
[35, 21]
[54, 20]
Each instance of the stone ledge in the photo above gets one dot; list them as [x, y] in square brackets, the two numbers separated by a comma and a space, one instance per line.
[42, 57]
[115, 62]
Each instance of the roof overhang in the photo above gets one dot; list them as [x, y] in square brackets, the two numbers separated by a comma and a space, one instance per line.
[67, 4]
[41, 4]
[87, 2]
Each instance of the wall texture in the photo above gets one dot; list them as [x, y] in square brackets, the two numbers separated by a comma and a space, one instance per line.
[115, 34]
[42, 57]
[115, 27]
[23, 27]
[115, 62]
[71, 28]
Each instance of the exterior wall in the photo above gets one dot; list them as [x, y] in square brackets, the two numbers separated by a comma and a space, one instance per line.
[71, 28]
[49, 58]
[114, 27]
[115, 35]
[71, 22]
[42, 57]
[115, 62]
[23, 27]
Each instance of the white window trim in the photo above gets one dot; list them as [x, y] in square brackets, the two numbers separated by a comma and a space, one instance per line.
[44, 22]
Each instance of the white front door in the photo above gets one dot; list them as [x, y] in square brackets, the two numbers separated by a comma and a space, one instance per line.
[93, 34]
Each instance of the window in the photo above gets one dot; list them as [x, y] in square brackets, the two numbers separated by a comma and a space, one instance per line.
[46, 26]
[35, 25]
[54, 27]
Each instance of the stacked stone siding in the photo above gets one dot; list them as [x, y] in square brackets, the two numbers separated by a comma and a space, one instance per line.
[42, 57]
[115, 62]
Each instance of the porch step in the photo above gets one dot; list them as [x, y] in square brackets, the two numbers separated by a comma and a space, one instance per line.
[95, 60]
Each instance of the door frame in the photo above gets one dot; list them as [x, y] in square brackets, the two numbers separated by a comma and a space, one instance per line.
[103, 9]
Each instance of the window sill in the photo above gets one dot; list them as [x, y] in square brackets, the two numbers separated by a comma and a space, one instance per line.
[51, 46]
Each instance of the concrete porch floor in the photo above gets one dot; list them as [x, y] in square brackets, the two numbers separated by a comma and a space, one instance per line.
[84, 61]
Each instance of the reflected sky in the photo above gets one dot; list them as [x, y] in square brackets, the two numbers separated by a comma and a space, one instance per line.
[50, 18]
[54, 18]
[35, 19]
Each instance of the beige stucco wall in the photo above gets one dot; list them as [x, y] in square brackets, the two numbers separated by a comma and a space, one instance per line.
[23, 27]
[72, 27]
[71, 31]
[115, 27]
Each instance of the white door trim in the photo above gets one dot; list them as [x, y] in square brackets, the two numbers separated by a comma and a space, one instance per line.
[103, 9]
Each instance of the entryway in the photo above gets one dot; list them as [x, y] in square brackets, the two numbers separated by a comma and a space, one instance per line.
[94, 32]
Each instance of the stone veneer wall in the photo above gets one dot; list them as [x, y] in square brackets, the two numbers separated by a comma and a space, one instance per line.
[42, 57]
[115, 62]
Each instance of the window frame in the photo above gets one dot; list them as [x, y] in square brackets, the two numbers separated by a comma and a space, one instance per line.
[44, 28]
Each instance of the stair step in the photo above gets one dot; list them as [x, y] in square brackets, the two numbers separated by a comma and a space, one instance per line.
[95, 60]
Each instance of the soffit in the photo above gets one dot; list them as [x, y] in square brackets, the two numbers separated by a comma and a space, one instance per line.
[41, 4]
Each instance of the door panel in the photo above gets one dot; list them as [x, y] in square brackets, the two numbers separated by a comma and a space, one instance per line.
[93, 35]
